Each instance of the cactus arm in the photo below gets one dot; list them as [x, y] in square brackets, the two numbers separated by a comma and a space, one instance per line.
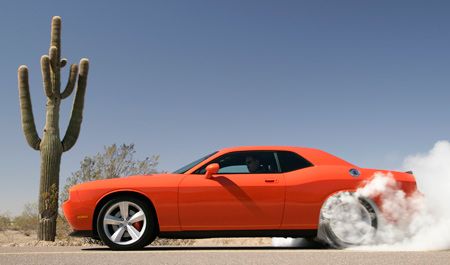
[26, 110]
[55, 73]
[45, 66]
[71, 82]
[73, 130]
[55, 38]
[53, 53]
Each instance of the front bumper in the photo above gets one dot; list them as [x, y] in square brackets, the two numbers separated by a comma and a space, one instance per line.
[78, 213]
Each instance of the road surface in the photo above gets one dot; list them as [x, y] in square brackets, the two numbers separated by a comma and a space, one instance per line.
[213, 255]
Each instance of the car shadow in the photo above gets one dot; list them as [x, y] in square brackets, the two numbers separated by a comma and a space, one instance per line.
[309, 245]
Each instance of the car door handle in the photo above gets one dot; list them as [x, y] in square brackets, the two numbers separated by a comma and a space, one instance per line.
[271, 180]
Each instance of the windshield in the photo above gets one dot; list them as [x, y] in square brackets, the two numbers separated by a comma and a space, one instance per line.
[193, 164]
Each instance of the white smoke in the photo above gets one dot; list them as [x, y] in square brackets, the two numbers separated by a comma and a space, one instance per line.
[417, 222]
[290, 242]
[423, 222]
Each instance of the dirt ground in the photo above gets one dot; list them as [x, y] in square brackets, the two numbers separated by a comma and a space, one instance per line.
[12, 238]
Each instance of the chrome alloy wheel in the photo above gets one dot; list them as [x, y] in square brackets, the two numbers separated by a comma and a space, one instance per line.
[347, 220]
[124, 223]
[351, 222]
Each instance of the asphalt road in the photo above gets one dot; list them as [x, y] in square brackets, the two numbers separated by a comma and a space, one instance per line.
[213, 255]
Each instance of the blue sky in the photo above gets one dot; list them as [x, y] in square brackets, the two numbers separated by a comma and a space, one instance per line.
[364, 80]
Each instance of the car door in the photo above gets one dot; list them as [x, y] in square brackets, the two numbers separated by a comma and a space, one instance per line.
[235, 198]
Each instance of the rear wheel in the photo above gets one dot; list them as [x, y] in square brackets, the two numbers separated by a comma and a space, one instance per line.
[126, 223]
[347, 220]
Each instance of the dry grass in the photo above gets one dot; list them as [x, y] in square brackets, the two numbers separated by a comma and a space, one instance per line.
[21, 230]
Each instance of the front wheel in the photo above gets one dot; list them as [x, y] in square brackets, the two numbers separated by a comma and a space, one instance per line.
[346, 221]
[126, 223]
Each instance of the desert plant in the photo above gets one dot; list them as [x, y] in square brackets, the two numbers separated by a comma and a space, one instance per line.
[5, 221]
[50, 146]
[114, 162]
[28, 220]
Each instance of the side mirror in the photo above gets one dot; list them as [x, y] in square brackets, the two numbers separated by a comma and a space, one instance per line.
[212, 169]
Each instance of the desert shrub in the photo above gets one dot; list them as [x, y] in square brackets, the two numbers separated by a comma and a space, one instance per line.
[28, 220]
[114, 162]
[5, 221]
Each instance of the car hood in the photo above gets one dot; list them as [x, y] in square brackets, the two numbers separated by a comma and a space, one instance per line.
[134, 181]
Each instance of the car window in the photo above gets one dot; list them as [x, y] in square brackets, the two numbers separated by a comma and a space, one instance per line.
[245, 162]
[290, 161]
[234, 169]
[193, 164]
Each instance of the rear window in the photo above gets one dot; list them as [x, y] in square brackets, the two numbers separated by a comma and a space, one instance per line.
[290, 161]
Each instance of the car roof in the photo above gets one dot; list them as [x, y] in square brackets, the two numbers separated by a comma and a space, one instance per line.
[313, 155]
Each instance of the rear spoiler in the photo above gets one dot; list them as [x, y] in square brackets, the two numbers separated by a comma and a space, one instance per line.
[409, 172]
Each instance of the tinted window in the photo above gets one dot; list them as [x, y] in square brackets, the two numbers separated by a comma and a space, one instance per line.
[253, 162]
[290, 161]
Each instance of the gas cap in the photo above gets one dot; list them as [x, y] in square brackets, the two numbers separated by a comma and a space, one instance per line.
[354, 172]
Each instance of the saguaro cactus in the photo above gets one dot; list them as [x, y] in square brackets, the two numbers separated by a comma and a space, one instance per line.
[51, 147]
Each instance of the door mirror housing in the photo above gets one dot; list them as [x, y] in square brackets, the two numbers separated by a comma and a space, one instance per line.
[212, 169]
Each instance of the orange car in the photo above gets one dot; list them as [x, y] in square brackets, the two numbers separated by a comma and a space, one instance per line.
[252, 191]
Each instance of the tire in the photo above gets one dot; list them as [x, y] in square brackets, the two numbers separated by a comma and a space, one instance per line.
[126, 223]
[347, 221]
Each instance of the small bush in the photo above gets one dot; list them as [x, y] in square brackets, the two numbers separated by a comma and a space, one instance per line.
[5, 221]
[114, 162]
[27, 221]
